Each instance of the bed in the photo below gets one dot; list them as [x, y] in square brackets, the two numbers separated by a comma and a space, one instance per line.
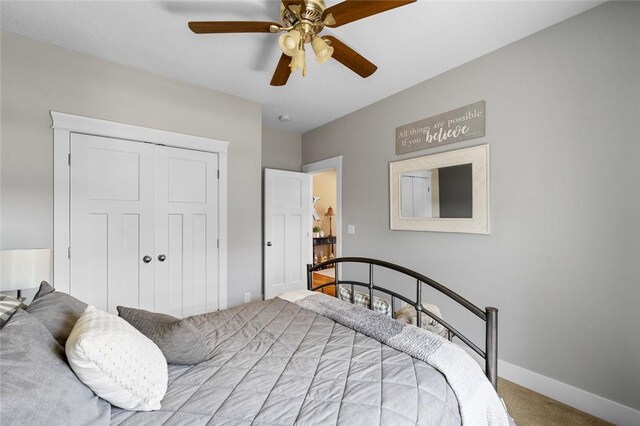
[489, 315]
[303, 358]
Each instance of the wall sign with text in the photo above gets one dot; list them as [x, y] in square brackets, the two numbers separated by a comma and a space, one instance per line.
[452, 126]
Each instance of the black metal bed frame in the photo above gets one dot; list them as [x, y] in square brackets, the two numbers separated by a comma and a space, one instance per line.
[489, 315]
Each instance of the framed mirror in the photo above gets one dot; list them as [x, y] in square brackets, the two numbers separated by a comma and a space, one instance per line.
[445, 192]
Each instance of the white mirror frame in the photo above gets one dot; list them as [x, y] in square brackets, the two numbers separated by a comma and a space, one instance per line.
[478, 156]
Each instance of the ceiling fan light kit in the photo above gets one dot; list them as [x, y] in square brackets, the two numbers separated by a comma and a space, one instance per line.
[322, 50]
[302, 21]
[289, 42]
[298, 61]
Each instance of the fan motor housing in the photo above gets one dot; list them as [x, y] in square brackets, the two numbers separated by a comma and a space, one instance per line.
[312, 13]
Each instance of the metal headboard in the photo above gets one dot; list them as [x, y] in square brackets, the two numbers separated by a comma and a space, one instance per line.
[489, 315]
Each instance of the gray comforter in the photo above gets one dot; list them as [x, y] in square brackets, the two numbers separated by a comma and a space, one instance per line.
[273, 362]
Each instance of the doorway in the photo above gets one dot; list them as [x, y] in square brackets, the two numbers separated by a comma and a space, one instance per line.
[326, 189]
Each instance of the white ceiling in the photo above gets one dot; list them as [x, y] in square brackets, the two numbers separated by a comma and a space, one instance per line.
[409, 44]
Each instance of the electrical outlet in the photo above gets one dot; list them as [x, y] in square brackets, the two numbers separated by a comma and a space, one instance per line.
[351, 229]
[247, 297]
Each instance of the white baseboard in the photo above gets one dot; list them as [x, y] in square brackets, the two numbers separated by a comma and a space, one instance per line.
[595, 405]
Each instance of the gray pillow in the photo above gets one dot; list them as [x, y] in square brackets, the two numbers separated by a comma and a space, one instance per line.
[179, 341]
[57, 311]
[38, 387]
[45, 288]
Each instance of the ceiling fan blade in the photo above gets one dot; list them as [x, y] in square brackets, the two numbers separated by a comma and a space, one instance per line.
[353, 10]
[282, 72]
[231, 27]
[350, 58]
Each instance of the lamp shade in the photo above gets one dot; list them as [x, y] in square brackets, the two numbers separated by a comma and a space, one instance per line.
[322, 50]
[289, 42]
[23, 269]
[330, 212]
[298, 62]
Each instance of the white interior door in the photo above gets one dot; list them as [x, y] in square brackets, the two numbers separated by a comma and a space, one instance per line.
[144, 226]
[112, 222]
[186, 232]
[287, 227]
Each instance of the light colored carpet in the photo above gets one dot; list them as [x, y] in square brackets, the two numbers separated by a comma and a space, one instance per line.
[529, 408]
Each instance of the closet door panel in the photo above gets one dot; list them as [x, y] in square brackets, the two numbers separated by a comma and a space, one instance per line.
[126, 244]
[187, 231]
[199, 294]
[112, 221]
[187, 307]
[93, 291]
[169, 288]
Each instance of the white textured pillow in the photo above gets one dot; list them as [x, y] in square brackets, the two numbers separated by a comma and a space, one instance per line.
[116, 361]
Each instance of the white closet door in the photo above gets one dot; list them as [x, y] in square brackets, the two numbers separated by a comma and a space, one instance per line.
[144, 226]
[186, 232]
[112, 222]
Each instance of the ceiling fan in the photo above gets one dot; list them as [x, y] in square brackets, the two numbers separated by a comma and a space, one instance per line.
[302, 22]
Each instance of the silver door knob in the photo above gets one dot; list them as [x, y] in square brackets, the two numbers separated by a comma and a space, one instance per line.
[146, 259]
[268, 243]
[162, 257]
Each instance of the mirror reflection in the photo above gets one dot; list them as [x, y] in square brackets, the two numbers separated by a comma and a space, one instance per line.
[445, 192]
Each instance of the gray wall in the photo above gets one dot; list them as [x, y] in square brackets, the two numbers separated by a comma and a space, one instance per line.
[38, 77]
[561, 262]
[281, 149]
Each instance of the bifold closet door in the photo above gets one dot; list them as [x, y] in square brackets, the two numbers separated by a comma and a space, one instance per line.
[186, 232]
[144, 226]
[112, 222]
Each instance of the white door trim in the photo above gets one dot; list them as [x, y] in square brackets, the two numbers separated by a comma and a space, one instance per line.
[64, 124]
[333, 163]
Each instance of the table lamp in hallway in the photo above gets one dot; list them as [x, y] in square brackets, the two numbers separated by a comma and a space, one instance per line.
[330, 213]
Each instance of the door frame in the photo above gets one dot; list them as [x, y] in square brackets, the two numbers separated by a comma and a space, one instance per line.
[333, 163]
[64, 125]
